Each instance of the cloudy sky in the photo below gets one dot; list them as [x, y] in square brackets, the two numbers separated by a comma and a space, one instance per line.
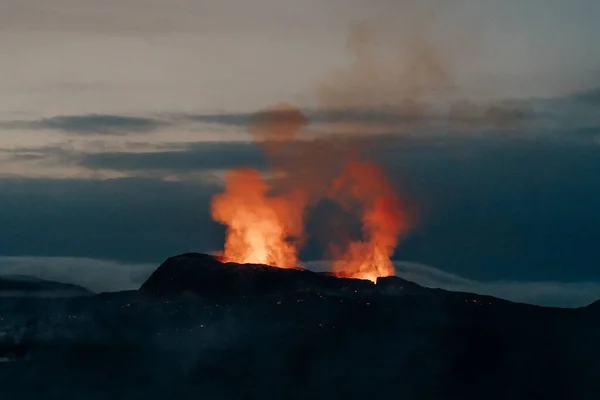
[119, 117]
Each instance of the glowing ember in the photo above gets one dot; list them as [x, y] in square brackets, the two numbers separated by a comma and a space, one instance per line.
[260, 228]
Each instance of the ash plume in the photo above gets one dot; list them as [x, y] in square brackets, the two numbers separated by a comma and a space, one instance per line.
[397, 81]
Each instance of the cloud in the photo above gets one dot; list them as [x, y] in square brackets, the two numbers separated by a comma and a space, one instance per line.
[193, 157]
[93, 274]
[423, 117]
[563, 117]
[229, 119]
[203, 161]
[361, 120]
[83, 56]
[334, 114]
[543, 293]
[91, 124]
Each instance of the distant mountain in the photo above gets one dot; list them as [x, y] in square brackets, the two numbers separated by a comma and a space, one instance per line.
[595, 305]
[28, 286]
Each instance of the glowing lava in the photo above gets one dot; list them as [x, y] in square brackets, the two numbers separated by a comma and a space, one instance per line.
[265, 219]
[261, 229]
[364, 189]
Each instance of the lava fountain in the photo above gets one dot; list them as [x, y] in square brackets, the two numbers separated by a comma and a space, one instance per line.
[364, 189]
[261, 228]
[265, 218]
[265, 223]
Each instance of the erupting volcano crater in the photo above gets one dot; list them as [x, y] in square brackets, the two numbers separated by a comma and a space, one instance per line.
[206, 276]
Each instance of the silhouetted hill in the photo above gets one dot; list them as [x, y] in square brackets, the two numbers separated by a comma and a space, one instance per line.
[21, 285]
[199, 328]
[595, 305]
[205, 275]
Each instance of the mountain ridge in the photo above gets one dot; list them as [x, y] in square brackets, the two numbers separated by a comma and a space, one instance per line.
[25, 285]
[207, 275]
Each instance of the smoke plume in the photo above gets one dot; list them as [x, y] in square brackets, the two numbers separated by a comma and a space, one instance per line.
[394, 81]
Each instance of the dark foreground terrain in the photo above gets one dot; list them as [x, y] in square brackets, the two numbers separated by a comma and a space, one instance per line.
[200, 329]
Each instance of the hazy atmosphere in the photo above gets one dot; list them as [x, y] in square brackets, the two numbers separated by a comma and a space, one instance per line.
[119, 118]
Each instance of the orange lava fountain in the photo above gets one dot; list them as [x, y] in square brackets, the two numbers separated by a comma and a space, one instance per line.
[364, 187]
[266, 229]
[265, 218]
[261, 229]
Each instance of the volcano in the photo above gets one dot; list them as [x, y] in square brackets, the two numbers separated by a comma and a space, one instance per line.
[205, 275]
[203, 328]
